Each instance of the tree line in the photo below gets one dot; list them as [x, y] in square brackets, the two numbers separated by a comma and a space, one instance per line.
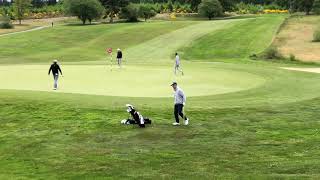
[87, 10]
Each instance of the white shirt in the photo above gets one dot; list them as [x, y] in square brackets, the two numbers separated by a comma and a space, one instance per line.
[177, 60]
[179, 97]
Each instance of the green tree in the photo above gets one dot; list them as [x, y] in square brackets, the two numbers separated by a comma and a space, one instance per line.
[210, 8]
[146, 11]
[316, 7]
[85, 10]
[130, 12]
[170, 6]
[21, 7]
[307, 4]
[113, 7]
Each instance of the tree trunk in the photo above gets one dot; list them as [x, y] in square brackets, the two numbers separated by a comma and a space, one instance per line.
[111, 17]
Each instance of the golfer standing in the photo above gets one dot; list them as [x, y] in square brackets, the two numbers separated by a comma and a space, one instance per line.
[119, 57]
[55, 68]
[177, 66]
[179, 102]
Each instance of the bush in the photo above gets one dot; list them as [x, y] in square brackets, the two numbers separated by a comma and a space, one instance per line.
[243, 8]
[210, 8]
[131, 13]
[316, 36]
[292, 57]
[271, 53]
[316, 7]
[84, 9]
[5, 23]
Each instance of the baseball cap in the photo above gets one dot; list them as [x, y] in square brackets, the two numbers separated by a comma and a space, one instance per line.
[174, 83]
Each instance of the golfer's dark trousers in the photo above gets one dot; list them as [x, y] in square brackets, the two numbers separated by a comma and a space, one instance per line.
[178, 111]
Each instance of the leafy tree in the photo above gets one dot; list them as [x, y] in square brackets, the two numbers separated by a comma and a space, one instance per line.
[52, 2]
[210, 8]
[84, 9]
[170, 6]
[114, 6]
[21, 7]
[130, 12]
[228, 5]
[194, 4]
[37, 3]
[146, 12]
[316, 7]
[307, 4]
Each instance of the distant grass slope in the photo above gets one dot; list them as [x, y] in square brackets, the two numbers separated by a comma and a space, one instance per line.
[76, 43]
[239, 41]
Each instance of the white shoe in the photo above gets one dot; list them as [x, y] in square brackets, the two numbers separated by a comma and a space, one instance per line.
[186, 122]
[176, 124]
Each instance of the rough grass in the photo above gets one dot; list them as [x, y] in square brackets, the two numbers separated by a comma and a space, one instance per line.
[60, 141]
[296, 37]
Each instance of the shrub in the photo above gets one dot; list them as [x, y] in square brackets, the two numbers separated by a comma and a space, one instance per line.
[84, 9]
[316, 7]
[210, 8]
[316, 36]
[131, 13]
[292, 57]
[271, 53]
[5, 23]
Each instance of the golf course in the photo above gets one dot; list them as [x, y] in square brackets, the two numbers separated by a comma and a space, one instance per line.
[249, 119]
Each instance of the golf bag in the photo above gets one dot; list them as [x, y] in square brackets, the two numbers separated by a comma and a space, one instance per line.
[136, 117]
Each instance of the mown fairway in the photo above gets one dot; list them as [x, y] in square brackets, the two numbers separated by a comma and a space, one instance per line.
[249, 119]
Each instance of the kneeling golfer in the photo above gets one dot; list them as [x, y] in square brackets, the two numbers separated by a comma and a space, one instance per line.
[179, 103]
[55, 68]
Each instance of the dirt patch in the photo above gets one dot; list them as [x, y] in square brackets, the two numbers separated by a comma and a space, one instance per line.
[311, 70]
[296, 38]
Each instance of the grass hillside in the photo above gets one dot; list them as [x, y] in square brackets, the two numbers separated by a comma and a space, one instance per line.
[296, 38]
[239, 41]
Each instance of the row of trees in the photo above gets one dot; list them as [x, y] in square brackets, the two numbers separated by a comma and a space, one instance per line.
[87, 10]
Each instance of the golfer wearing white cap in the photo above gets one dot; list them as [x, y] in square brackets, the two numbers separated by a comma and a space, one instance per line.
[179, 102]
[119, 57]
[55, 68]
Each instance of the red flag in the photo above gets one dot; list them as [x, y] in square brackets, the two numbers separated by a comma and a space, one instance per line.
[109, 50]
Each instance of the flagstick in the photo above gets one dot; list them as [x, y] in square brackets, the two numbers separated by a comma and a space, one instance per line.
[111, 61]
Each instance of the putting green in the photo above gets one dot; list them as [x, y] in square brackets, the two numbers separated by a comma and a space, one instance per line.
[131, 81]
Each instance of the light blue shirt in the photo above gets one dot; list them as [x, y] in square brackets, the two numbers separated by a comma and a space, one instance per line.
[179, 97]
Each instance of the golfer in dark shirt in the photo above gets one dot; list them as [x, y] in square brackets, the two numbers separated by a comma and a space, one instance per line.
[55, 68]
[119, 57]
